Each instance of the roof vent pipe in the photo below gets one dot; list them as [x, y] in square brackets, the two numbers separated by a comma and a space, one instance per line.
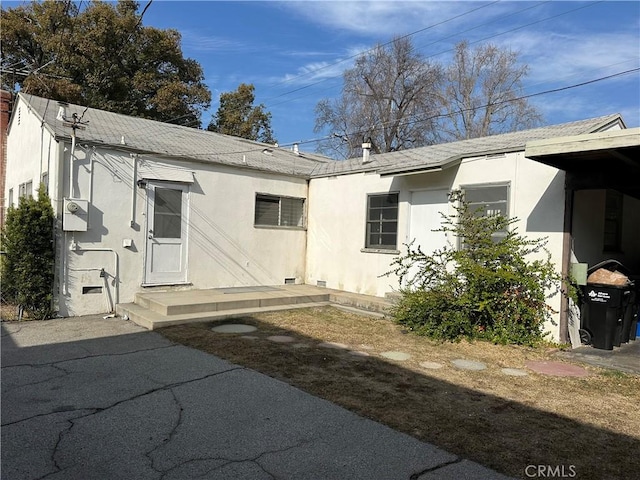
[62, 111]
[366, 152]
[296, 149]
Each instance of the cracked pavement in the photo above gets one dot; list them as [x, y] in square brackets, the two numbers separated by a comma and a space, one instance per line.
[98, 398]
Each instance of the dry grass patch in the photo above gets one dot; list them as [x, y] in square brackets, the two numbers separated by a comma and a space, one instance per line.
[500, 421]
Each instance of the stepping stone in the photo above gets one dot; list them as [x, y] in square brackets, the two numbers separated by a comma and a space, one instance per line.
[340, 346]
[250, 337]
[431, 365]
[399, 356]
[281, 339]
[234, 328]
[357, 353]
[468, 364]
[557, 369]
[514, 372]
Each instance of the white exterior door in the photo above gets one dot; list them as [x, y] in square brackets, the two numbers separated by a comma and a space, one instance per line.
[166, 249]
[425, 217]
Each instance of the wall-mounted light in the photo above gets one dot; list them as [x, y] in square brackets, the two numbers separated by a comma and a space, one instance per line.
[142, 183]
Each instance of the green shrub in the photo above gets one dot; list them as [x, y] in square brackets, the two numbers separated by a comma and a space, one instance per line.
[27, 268]
[485, 287]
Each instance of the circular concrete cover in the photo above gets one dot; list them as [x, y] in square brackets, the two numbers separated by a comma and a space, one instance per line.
[431, 365]
[399, 356]
[557, 369]
[468, 364]
[281, 339]
[234, 328]
[356, 353]
[514, 372]
[340, 346]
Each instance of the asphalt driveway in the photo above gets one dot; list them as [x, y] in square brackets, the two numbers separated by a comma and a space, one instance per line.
[105, 399]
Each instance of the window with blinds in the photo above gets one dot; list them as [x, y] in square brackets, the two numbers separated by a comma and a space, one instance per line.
[279, 211]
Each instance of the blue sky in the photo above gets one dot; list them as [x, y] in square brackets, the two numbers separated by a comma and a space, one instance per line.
[295, 52]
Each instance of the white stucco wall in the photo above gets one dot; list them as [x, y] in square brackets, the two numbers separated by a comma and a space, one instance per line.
[336, 234]
[338, 211]
[31, 151]
[224, 247]
[588, 230]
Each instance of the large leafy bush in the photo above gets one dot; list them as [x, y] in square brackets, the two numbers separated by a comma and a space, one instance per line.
[27, 269]
[493, 284]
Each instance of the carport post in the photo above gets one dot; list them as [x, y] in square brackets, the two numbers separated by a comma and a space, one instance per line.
[567, 242]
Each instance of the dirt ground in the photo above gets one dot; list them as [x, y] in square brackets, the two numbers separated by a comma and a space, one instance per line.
[589, 425]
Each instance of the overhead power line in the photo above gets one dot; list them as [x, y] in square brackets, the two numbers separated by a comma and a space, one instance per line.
[523, 97]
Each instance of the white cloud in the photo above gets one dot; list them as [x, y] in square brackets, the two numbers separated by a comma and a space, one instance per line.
[380, 19]
[569, 57]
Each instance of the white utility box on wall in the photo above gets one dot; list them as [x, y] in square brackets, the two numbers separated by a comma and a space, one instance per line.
[75, 215]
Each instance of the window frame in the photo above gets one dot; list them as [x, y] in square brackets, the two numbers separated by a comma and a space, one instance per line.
[380, 247]
[25, 189]
[279, 199]
[507, 202]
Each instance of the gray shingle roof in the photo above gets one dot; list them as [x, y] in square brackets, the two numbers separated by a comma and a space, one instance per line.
[164, 139]
[152, 137]
[446, 154]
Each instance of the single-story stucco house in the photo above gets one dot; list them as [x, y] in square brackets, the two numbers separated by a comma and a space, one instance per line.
[141, 203]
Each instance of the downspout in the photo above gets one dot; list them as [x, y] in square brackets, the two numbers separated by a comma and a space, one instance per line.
[71, 158]
[91, 167]
[134, 192]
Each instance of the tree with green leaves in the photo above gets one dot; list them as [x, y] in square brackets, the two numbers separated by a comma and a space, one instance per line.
[493, 285]
[27, 268]
[238, 116]
[103, 57]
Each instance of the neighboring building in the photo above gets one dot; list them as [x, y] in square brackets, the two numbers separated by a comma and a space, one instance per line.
[141, 203]
[6, 101]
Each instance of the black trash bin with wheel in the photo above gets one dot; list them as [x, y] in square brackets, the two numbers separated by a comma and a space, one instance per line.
[603, 315]
[604, 312]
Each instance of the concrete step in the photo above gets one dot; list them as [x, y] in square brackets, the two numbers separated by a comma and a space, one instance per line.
[152, 320]
[155, 308]
[187, 304]
[365, 303]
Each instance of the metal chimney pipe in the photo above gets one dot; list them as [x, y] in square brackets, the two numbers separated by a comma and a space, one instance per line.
[366, 152]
